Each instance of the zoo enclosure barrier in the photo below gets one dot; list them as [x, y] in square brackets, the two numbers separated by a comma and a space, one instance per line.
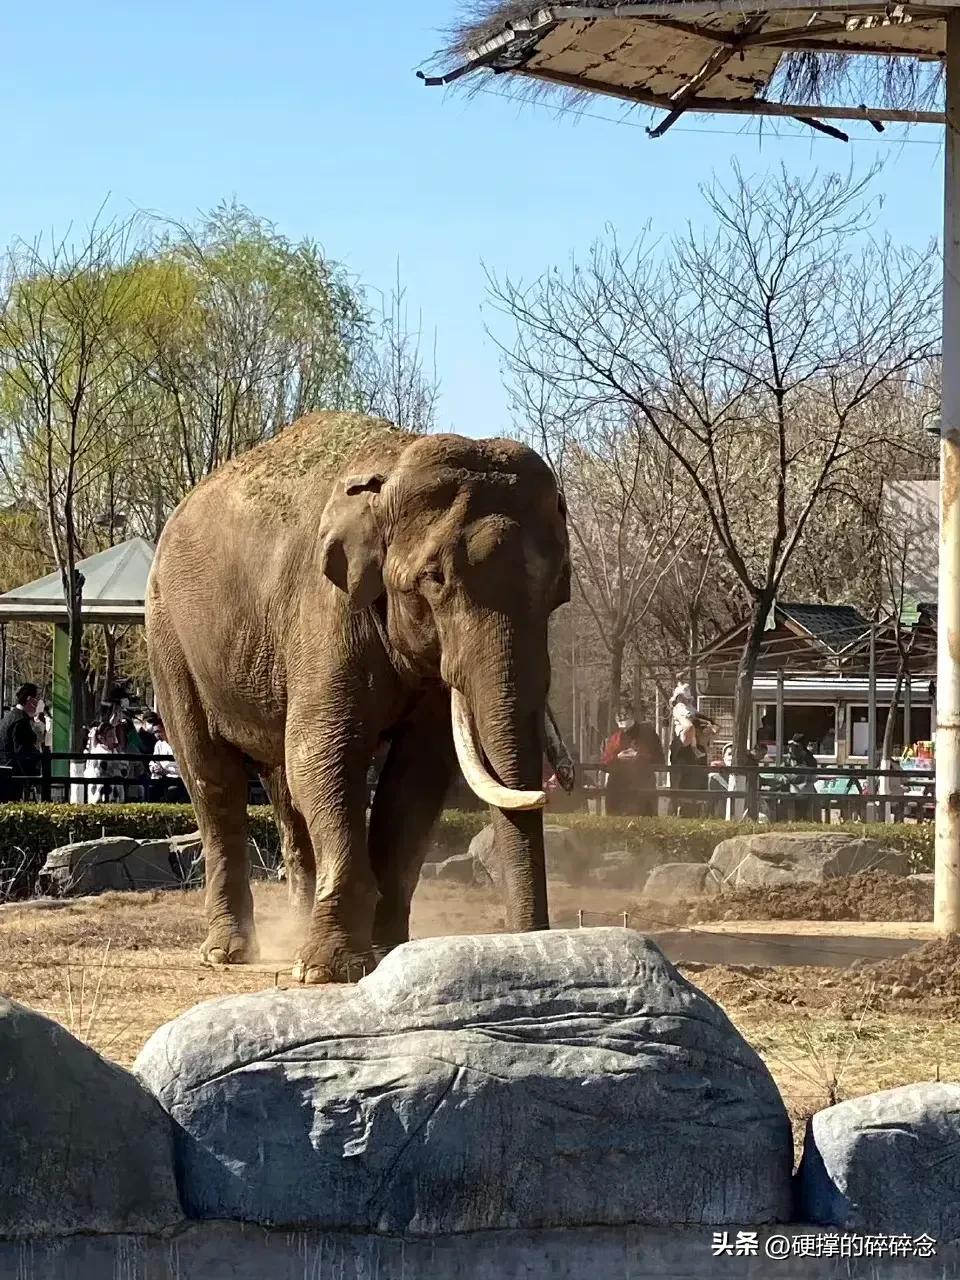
[777, 793]
[753, 791]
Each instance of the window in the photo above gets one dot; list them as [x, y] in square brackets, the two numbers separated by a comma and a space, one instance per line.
[816, 721]
[920, 728]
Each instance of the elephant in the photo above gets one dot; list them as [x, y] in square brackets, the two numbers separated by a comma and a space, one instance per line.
[346, 585]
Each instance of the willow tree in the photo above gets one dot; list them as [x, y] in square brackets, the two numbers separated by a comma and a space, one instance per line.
[67, 374]
[752, 356]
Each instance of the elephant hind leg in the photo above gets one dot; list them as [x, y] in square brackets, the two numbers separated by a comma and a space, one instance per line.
[215, 776]
[298, 858]
[410, 793]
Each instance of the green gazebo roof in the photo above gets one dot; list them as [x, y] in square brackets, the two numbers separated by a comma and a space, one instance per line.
[114, 589]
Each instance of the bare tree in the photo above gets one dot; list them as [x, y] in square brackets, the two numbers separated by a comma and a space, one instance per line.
[66, 371]
[626, 532]
[751, 356]
[392, 376]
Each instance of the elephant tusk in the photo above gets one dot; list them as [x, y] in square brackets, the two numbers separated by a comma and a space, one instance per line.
[475, 771]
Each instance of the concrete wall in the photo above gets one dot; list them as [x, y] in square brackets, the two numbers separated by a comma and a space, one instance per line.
[232, 1251]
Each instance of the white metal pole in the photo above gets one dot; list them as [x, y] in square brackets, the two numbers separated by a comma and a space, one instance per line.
[946, 903]
[872, 702]
[573, 682]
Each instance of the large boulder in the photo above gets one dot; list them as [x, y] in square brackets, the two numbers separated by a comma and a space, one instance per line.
[759, 861]
[886, 1163]
[83, 1147]
[187, 852]
[564, 851]
[680, 881]
[617, 869]
[459, 868]
[112, 862]
[473, 1083]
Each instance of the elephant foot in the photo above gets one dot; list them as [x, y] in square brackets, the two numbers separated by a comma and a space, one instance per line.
[320, 962]
[391, 927]
[228, 944]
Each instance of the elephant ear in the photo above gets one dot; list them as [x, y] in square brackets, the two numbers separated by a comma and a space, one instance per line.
[351, 542]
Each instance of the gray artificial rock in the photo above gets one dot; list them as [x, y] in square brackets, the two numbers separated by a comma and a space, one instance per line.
[618, 869]
[476, 1083]
[564, 852]
[83, 1147]
[112, 862]
[758, 861]
[679, 881]
[885, 1163]
[461, 868]
[187, 853]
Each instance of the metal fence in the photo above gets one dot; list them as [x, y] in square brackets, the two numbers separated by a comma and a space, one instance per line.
[763, 792]
[779, 793]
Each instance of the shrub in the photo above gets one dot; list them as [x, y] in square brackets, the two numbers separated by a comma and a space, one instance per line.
[29, 831]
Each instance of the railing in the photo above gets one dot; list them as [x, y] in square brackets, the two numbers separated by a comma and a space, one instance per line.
[761, 793]
[768, 791]
[54, 785]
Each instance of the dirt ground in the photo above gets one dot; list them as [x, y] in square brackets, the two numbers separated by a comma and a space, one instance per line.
[114, 968]
[871, 895]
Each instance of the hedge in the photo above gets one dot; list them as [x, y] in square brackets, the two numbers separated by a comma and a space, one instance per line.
[29, 831]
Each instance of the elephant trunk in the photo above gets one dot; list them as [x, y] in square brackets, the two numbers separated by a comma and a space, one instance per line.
[478, 776]
[499, 732]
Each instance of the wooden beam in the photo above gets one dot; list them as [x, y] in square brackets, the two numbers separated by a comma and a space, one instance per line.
[871, 50]
[724, 106]
[717, 60]
[785, 34]
[693, 9]
[717, 35]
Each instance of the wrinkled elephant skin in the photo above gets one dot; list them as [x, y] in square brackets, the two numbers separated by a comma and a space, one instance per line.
[321, 596]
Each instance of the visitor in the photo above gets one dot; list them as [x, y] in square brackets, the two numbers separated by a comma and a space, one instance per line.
[166, 785]
[631, 757]
[147, 732]
[719, 780]
[800, 756]
[19, 751]
[101, 768]
[689, 746]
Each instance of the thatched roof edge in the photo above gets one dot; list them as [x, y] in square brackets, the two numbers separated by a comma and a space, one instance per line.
[808, 78]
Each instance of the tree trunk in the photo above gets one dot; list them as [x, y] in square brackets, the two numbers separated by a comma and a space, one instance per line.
[693, 640]
[743, 697]
[110, 665]
[616, 678]
[890, 726]
[75, 625]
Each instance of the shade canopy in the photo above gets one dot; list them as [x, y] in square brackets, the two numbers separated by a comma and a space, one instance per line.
[114, 589]
[777, 58]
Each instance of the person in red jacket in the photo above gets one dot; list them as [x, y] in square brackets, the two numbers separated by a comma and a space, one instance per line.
[631, 757]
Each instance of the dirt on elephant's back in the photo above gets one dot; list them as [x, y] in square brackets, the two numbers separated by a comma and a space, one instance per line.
[316, 448]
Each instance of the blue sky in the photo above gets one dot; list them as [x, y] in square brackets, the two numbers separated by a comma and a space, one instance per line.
[310, 113]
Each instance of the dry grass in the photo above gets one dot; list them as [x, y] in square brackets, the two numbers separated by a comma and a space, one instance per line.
[115, 967]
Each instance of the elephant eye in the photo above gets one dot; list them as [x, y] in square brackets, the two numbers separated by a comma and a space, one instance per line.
[434, 576]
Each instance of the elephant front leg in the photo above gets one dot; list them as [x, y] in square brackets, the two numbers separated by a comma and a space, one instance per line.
[331, 796]
[410, 794]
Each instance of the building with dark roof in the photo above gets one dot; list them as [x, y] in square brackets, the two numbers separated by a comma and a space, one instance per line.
[822, 655]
